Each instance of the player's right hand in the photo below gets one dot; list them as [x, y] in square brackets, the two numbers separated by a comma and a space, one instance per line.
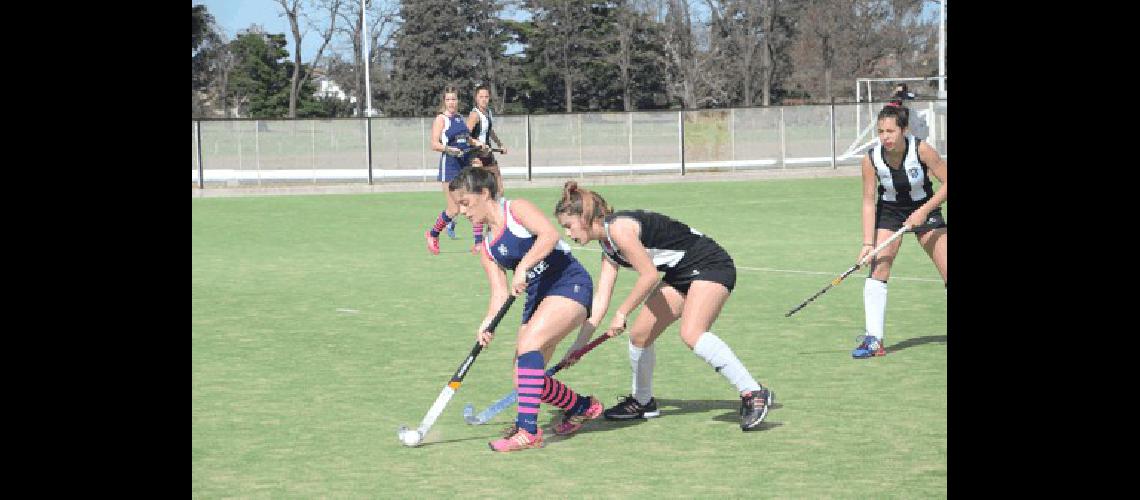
[484, 337]
[863, 253]
[617, 325]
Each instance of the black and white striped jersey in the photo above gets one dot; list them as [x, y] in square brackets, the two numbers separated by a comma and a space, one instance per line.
[671, 244]
[482, 128]
[908, 185]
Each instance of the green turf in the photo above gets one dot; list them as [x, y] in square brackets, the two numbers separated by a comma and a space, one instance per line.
[293, 398]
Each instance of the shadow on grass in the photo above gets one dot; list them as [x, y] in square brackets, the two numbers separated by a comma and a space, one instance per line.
[670, 407]
[487, 438]
[906, 344]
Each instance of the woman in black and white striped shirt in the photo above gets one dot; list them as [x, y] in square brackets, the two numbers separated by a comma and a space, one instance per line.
[897, 191]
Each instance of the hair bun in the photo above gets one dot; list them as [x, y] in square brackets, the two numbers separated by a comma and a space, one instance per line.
[570, 186]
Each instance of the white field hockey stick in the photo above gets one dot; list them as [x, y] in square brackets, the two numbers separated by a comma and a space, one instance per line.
[852, 269]
[413, 437]
[509, 399]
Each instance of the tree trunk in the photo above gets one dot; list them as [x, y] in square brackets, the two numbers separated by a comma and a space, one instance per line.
[767, 66]
[358, 58]
[295, 82]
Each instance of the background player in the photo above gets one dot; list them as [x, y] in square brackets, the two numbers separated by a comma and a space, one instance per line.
[451, 137]
[900, 165]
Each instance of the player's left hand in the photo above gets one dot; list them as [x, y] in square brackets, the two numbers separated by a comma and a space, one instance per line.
[916, 219]
[518, 283]
[617, 325]
[484, 337]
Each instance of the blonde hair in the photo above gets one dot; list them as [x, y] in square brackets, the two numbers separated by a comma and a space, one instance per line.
[578, 201]
[450, 89]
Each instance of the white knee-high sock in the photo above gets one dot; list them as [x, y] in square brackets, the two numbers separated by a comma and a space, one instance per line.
[719, 356]
[875, 306]
[641, 360]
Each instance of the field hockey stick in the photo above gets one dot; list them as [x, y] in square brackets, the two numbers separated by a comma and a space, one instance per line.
[852, 269]
[413, 437]
[509, 399]
[490, 150]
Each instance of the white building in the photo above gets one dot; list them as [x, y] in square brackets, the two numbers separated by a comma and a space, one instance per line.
[329, 89]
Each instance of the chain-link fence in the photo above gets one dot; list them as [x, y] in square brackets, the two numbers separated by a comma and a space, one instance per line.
[353, 150]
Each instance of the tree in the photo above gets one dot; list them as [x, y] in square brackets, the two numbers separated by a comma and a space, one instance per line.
[489, 37]
[382, 20]
[631, 46]
[688, 68]
[748, 31]
[292, 11]
[259, 83]
[561, 41]
[210, 63]
[203, 26]
[839, 39]
[431, 51]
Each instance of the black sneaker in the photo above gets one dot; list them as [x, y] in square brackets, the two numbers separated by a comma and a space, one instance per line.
[628, 408]
[753, 408]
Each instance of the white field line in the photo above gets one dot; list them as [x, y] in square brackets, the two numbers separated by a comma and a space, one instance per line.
[721, 203]
[773, 270]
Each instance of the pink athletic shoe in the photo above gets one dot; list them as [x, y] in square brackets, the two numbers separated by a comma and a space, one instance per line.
[432, 242]
[571, 423]
[516, 438]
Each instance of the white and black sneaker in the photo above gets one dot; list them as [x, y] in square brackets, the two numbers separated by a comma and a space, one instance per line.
[753, 408]
[628, 408]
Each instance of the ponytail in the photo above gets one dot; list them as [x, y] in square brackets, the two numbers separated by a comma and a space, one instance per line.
[578, 201]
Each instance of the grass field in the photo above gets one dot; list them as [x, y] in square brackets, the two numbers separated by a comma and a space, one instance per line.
[321, 323]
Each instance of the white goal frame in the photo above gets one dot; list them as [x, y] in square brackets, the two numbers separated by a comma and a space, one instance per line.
[863, 131]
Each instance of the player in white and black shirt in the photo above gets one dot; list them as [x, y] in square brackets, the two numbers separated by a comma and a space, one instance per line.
[699, 276]
[897, 191]
[480, 122]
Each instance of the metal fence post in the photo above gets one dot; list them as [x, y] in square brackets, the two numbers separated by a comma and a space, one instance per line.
[732, 136]
[198, 135]
[313, 143]
[832, 120]
[423, 146]
[581, 170]
[629, 127]
[257, 149]
[529, 174]
[932, 139]
[681, 137]
[783, 142]
[368, 137]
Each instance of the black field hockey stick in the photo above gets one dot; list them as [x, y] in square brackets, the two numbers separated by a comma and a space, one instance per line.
[856, 267]
[506, 401]
[413, 437]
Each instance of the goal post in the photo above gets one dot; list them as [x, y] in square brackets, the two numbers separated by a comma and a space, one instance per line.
[869, 91]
